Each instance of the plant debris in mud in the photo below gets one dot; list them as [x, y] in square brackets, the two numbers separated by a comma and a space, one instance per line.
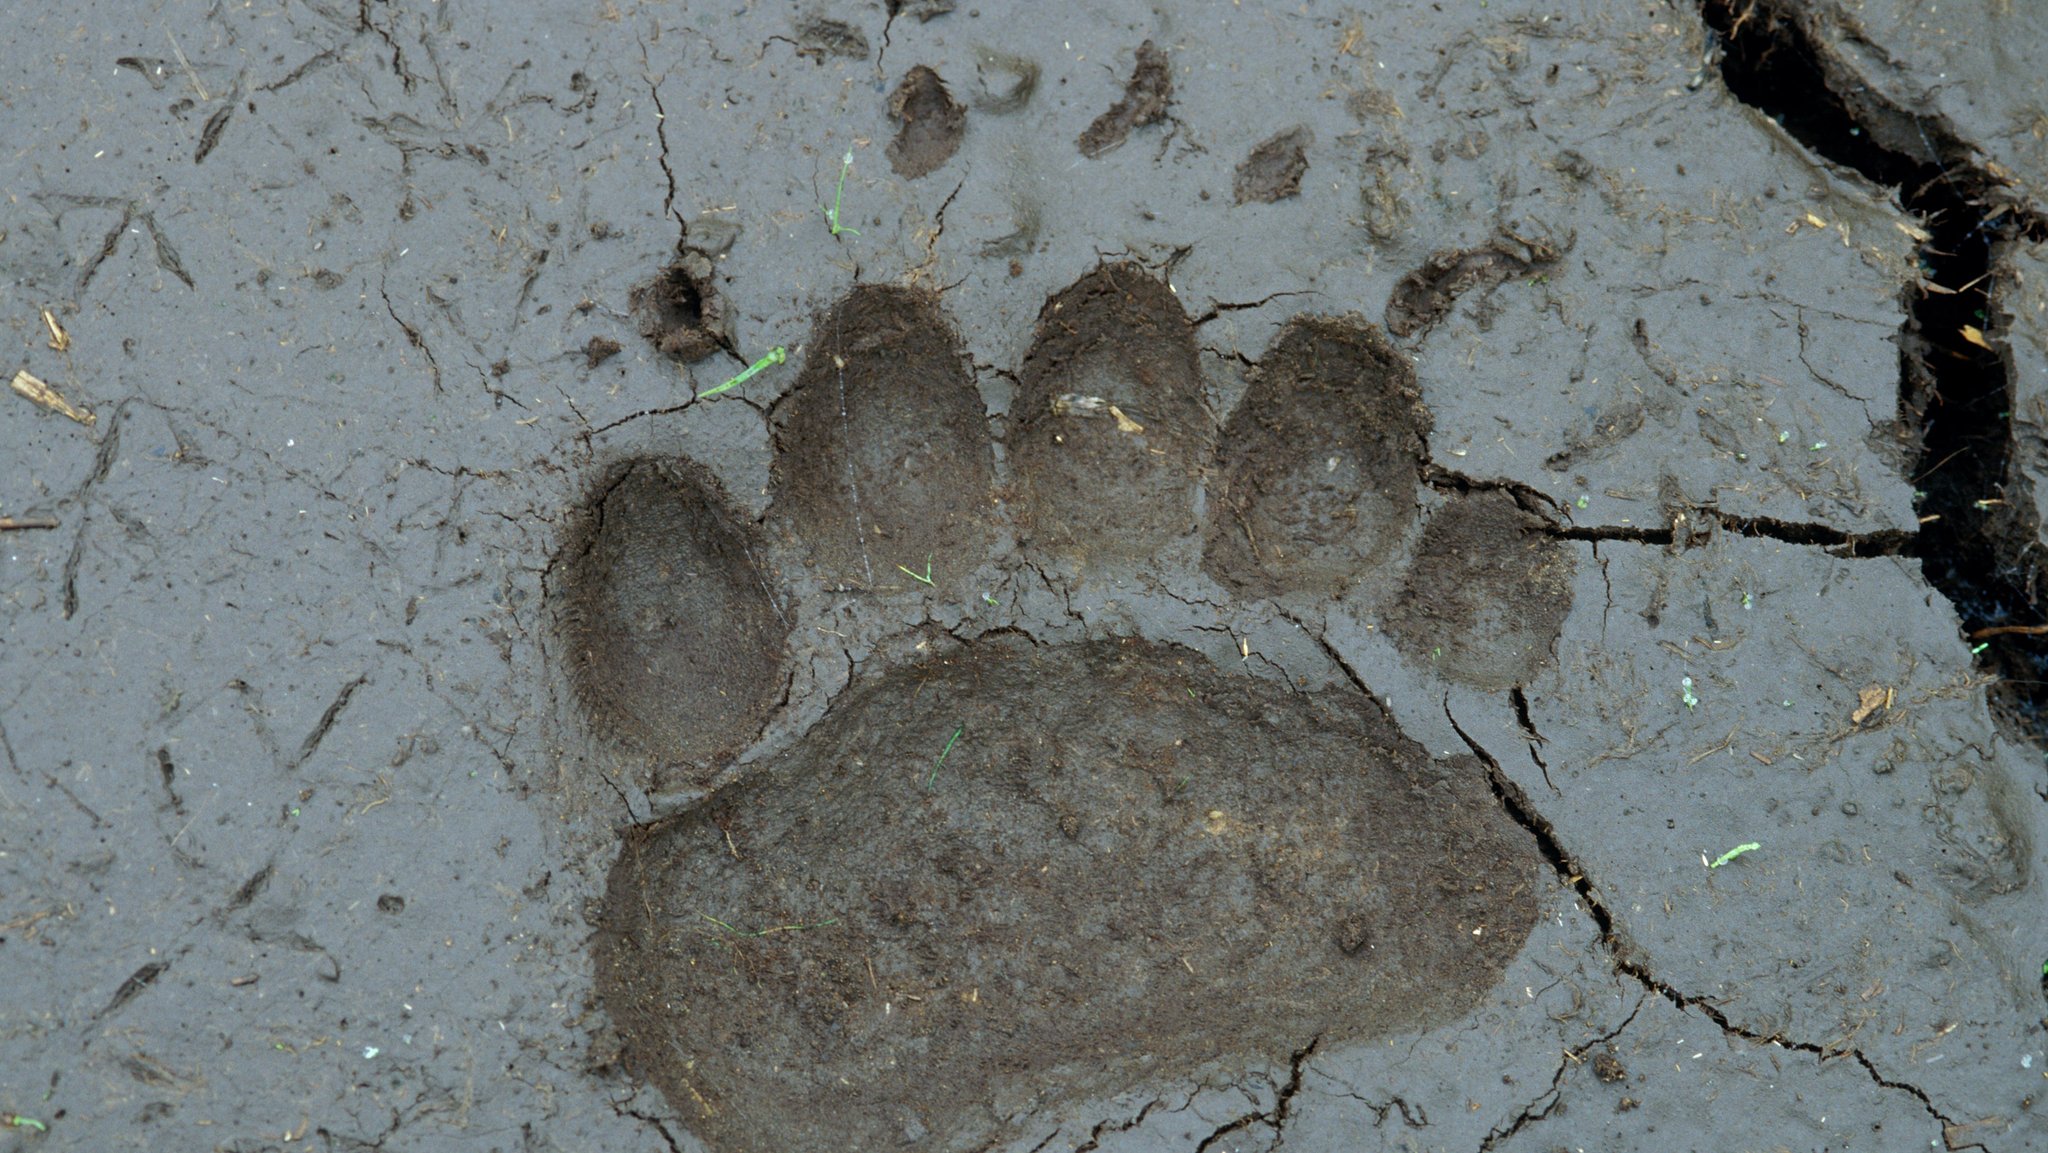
[929, 122]
[1147, 95]
[1425, 296]
[1274, 169]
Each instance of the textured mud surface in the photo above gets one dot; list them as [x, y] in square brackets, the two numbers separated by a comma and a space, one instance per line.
[656, 557]
[1519, 453]
[1210, 870]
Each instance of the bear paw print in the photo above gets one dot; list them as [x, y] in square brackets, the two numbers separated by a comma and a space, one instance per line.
[1028, 864]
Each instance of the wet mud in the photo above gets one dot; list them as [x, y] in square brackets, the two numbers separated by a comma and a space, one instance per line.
[883, 938]
[1111, 429]
[857, 577]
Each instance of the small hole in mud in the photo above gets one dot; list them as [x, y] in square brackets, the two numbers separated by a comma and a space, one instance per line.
[391, 903]
[681, 311]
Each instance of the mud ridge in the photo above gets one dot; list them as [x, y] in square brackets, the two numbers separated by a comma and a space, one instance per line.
[1954, 395]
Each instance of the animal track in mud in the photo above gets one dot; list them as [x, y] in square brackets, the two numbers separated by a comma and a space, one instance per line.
[1012, 875]
[654, 564]
[1111, 428]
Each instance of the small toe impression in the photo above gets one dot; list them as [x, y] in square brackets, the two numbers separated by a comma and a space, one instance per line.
[673, 645]
[929, 121]
[1317, 471]
[1487, 593]
[882, 451]
[1111, 429]
[1031, 876]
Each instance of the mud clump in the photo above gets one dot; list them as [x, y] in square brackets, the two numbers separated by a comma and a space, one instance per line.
[1315, 481]
[1274, 169]
[673, 647]
[1488, 593]
[929, 121]
[882, 447]
[681, 310]
[1111, 428]
[1147, 95]
[1425, 296]
[875, 942]
[599, 350]
[822, 38]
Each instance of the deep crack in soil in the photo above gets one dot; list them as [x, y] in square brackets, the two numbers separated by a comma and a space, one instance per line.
[1954, 391]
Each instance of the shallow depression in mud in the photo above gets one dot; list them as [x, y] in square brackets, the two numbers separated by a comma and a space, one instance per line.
[1020, 875]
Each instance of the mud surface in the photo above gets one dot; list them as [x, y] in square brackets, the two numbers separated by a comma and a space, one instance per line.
[477, 538]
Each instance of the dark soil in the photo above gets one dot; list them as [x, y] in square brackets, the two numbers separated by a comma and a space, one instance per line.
[672, 641]
[1316, 473]
[885, 938]
[882, 452]
[930, 124]
[681, 311]
[1147, 95]
[1274, 169]
[1110, 425]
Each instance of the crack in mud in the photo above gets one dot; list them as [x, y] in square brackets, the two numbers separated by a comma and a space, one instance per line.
[1283, 1102]
[1837, 542]
[1954, 391]
[1615, 939]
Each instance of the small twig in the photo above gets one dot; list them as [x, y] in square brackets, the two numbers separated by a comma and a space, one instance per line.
[929, 781]
[1993, 631]
[16, 523]
[772, 929]
[776, 355]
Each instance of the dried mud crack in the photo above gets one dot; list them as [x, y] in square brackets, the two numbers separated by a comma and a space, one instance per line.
[1514, 800]
[1954, 386]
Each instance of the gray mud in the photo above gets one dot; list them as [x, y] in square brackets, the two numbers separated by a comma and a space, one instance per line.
[1280, 548]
